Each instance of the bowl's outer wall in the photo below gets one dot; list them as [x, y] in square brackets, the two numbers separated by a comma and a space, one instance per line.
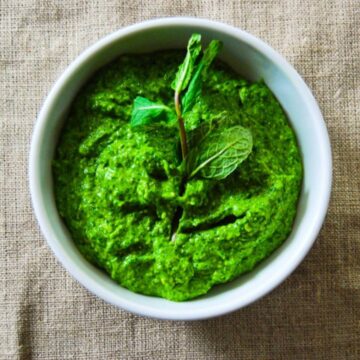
[253, 59]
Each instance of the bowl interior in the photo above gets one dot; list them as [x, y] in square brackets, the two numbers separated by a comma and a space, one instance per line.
[254, 60]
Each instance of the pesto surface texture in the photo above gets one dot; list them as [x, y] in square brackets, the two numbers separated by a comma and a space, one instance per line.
[119, 188]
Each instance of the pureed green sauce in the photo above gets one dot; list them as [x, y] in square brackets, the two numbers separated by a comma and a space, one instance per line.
[118, 188]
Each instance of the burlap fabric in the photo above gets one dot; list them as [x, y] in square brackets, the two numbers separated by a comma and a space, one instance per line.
[45, 314]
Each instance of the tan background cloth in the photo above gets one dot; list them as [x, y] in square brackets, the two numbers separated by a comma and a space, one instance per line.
[45, 314]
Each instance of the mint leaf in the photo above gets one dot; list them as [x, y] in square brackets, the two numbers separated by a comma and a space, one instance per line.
[218, 153]
[146, 112]
[185, 70]
[195, 86]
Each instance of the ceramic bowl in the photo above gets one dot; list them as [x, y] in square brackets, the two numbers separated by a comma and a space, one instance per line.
[253, 59]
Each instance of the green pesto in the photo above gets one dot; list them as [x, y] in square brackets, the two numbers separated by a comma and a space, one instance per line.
[117, 188]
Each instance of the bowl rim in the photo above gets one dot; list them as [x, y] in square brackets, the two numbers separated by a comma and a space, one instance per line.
[84, 278]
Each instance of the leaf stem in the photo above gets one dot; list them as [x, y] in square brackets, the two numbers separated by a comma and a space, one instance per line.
[182, 132]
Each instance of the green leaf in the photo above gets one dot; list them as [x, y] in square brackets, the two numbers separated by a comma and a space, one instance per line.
[218, 153]
[195, 86]
[185, 70]
[146, 112]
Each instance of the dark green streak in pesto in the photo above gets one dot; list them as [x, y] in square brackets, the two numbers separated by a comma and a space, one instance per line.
[117, 188]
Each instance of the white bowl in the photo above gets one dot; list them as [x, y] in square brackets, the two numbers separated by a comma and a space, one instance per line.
[255, 60]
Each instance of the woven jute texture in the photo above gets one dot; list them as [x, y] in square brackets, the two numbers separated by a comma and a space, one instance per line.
[45, 314]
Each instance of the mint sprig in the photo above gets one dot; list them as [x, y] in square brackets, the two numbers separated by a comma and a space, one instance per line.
[216, 153]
